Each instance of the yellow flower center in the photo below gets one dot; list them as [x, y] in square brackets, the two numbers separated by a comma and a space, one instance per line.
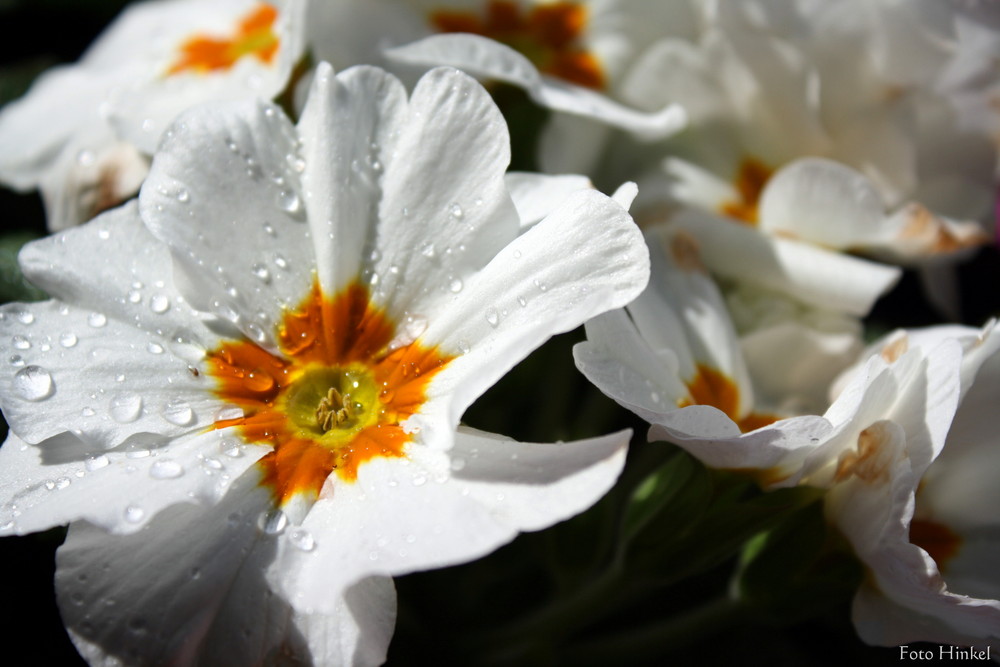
[335, 397]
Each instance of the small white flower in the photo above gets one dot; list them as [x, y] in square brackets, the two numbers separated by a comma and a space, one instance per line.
[82, 132]
[287, 339]
[672, 357]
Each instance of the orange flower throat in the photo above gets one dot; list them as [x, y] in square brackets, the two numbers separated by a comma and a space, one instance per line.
[711, 387]
[254, 36]
[751, 177]
[334, 398]
[548, 35]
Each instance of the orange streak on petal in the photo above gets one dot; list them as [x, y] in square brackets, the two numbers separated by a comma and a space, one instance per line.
[751, 177]
[714, 388]
[254, 36]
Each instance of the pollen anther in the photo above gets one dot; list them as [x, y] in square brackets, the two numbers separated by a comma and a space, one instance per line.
[335, 409]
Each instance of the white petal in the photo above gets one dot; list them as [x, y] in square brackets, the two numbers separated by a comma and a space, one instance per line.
[190, 588]
[349, 131]
[530, 291]
[435, 510]
[35, 129]
[453, 149]
[225, 195]
[63, 480]
[822, 202]
[803, 271]
[486, 58]
[537, 195]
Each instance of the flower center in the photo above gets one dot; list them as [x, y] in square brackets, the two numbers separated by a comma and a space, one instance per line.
[548, 35]
[335, 397]
[751, 177]
[712, 387]
[254, 35]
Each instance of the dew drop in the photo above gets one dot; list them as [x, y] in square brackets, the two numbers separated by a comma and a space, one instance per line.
[16, 360]
[302, 540]
[415, 326]
[126, 408]
[154, 348]
[259, 381]
[288, 200]
[269, 229]
[134, 296]
[33, 383]
[419, 479]
[88, 412]
[261, 272]
[231, 448]
[97, 320]
[280, 261]
[159, 303]
[456, 211]
[272, 522]
[20, 342]
[166, 469]
[463, 346]
[256, 333]
[229, 412]
[457, 463]
[96, 462]
[68, 339]
[25, 317]
[63, 482]
[521, 301]
[183, 196]
[493, 317]
[178, 412]
[456, 285]
[134, 514]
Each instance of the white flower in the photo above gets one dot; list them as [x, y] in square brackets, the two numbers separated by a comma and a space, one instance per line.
[568, 56]
[82, 131]
[673, 358]
[919, 510]
[802, 128]
[259, 395]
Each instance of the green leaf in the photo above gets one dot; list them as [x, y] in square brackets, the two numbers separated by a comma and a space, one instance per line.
[13, 285]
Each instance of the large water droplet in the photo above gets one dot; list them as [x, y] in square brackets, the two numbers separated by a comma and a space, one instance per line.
[178, 412]
[154, 348]
[96, 462]
[25, 317]
[20, 342]
[159, 303]
[126, 408]
[272, 522]
[259, 381]
[455, 285]
[68, 339]
[183, 196]
[166, 469]
[97, 320]
[456, 211]
[33, 383]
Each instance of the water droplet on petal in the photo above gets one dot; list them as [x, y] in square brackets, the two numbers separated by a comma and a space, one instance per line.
[415, 326]
[20, 342]
[231, 447]
[178, 412]
[63, 482]
[159, 303]
[183, 196]
[166, 469]
[33, 383]
[301, 539]
[25, 317]
[456, 211]
[272, 522]
[96, 462]
[262, 273]
[288, 200]
[126, 408]
[280, 261]
[16, 360]
[455, 285]
[68, 339]
[259, 381]
[154, 348]
[134, 514]
[97, 320]
[493, 317]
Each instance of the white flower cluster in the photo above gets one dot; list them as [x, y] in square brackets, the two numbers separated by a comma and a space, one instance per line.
[245, 394]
